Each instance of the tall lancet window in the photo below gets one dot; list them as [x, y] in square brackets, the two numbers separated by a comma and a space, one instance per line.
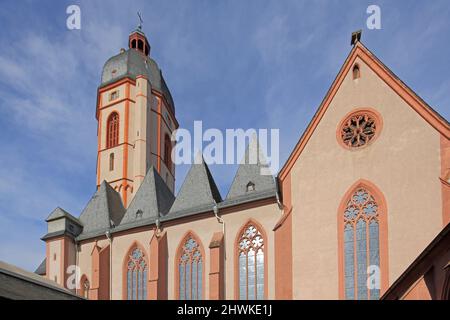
[361, 245]
[137, 275]
[112, 134]
[190, 269]
[251, 265]
[167, 152]
[84, 287]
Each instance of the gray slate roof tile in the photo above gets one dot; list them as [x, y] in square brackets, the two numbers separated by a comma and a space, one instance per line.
[104, 210]
[198, 189]
[152, 199]
[249, 172]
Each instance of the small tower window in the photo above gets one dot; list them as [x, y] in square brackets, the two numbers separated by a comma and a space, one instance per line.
[114, 95]
[133, 44]
[167, 151]
[250, 186]
[356, 72]
[140, 45]
[112, 136]
[111, 162]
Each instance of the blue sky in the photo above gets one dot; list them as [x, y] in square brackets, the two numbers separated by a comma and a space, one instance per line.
[231, 64]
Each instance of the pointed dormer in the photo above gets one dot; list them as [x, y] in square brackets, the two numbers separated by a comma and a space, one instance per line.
[153, 199]
[251, 177]
[198, 190]
[104, 211]
[138, 41]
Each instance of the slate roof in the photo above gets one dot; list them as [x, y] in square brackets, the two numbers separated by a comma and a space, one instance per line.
[61, 213]
[197, 191]
[18, 284]
[42, 269]
[152, 199]
[253, 170]
[104, 210]
[132, 63]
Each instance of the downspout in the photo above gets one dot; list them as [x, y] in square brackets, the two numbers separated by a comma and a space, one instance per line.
[109, 236]
[277, 194]
[78, 276]
[221, 221]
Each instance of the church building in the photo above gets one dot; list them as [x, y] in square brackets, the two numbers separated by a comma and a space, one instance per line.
[364, 192]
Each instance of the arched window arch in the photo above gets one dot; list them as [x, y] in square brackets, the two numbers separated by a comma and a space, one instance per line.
[356, 72]
[167, 151]
[112, 135]
[84, 287]
[251, 263]
[135, 274]
[190, 269]
[362, 243]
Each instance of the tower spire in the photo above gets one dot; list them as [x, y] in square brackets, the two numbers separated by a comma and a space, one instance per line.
[137, 39]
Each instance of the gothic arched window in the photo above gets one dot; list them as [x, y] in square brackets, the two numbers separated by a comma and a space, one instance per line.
[136, 276]
[361, 240]
[112, 134]
[84, 287]
[251, 266]
[190, 269]
[167, 151]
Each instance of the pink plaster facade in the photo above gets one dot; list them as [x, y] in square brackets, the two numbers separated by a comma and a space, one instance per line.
[404, 162]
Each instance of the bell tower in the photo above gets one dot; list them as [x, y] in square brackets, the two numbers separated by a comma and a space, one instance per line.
[136, 118]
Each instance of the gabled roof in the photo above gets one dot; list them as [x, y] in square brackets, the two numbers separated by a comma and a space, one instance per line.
[198, 189]
[408, 95]
[61, 213]
[104, 210]
[252, 174]
[152, 199]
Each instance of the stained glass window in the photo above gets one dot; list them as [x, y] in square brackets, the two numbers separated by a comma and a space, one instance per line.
[137, 271]
[190, 271]
[251, 264]
[361, 244]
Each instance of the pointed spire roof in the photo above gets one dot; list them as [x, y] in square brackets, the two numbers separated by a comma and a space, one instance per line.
[61, 213]
[152, 199]
[104, 210]
[252, 175]
[198, 189]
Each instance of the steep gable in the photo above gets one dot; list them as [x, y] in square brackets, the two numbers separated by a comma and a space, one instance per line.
[103, 211]
[152, 199]
[359, 51]
[198, 189]
[248, 180]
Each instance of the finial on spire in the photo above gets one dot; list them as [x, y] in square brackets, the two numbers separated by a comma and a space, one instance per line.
[140, 20]
[356, 37]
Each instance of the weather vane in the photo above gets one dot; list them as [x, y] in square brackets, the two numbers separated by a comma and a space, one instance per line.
[140, 20]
